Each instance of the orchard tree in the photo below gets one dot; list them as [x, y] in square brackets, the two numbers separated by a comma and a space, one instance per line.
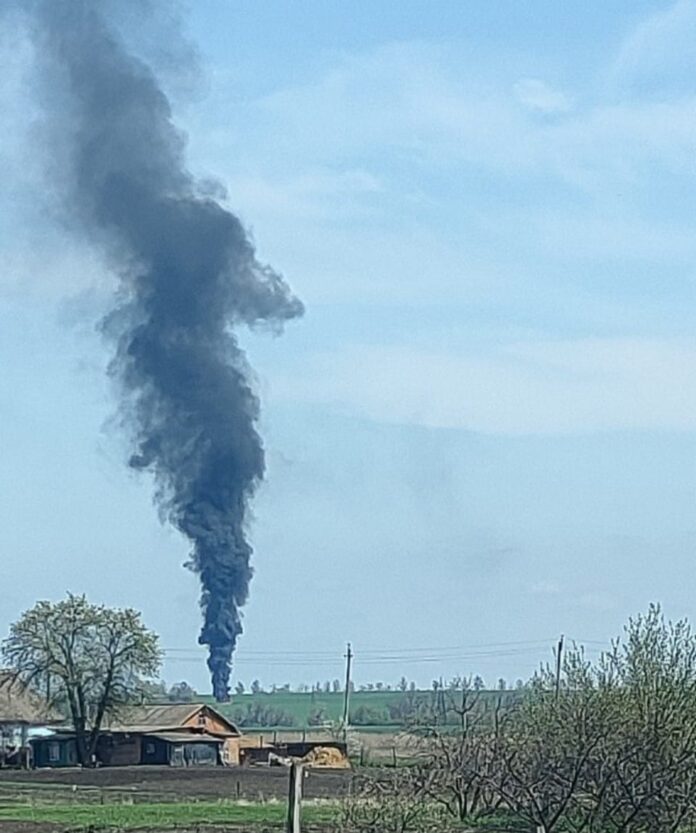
[90, 660]
[182, 693]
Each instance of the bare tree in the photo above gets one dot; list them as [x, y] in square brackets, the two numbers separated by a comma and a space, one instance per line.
[459, 734]
[390, 801]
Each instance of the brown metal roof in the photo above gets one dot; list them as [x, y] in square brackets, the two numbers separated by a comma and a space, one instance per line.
[20, 705]
[162, 717]
[184, 737]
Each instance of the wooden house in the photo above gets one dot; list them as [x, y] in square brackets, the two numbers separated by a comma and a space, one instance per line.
[181, 734]
[22, 711]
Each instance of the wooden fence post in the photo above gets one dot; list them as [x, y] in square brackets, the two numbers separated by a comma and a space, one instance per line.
[295, 797]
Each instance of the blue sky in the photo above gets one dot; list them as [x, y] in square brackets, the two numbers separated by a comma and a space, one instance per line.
[482, 432]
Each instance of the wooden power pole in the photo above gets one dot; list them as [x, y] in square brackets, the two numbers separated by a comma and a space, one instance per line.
[559, 660]
[293, 823]
[346, 693]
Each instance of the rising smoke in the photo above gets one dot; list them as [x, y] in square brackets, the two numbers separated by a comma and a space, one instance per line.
[191, 275]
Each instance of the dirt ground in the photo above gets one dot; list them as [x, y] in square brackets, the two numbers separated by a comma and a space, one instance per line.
[252, 783]
[160, 785]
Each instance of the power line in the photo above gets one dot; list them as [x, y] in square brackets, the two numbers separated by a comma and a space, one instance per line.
[384, 653]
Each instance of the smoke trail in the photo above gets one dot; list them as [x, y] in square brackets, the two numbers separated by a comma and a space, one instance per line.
[192, 275]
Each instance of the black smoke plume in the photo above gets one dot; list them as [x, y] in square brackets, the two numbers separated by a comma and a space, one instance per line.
[192, 276]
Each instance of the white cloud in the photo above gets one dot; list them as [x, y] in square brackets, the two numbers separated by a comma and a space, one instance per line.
[412, 102]
[658, 52]
[519, 388]
[537, 95]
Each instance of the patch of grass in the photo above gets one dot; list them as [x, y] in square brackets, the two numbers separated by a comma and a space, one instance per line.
[158, 816]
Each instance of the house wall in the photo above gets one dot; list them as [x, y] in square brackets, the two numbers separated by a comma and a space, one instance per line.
[55, 753]
[154, 751]
[208, 722]
[194, 754]
[231, 752]
[119, 749]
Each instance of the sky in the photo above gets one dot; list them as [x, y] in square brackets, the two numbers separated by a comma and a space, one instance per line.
[481, 435]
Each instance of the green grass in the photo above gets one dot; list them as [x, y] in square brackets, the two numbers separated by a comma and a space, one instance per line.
[134, 816]
[300, 706]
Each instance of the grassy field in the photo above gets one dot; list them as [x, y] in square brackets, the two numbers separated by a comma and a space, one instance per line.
[161, 799]
[302, 707]
[160, 816]
[369, 710]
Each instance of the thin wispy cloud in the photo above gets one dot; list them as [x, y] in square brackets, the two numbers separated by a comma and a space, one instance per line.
[557, 387]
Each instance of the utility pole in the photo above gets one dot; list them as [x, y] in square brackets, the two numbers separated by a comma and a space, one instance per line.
[346, 693]
[559, 658]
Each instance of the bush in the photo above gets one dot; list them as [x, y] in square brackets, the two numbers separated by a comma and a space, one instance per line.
[258, 714]
[393, 801]
[366, 716]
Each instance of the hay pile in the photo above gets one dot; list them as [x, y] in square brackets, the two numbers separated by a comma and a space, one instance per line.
[326, 756]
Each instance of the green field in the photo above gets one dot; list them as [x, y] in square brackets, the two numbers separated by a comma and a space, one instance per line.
[304, 708]
[369, 710]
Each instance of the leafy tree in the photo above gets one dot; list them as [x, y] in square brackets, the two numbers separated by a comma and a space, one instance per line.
[336, 686]
[478, 684]
[610, 745]
[90, 659]
[367, 716]
[256, 687]
[239, 688]
[317, 717]
[182, 693]
[153, 692]
[403, 684]
[259, 715]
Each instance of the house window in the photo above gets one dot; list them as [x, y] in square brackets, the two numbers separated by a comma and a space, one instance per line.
[150, 748]
[53, 752]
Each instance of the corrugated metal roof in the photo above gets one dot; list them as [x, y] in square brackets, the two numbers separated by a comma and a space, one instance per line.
[183, 737]
[22, 706]
[160, 716]
[155, 715]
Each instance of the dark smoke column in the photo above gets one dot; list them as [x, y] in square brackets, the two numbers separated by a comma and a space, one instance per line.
[192, 275]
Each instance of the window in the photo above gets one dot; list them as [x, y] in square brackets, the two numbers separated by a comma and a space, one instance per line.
[53, 752]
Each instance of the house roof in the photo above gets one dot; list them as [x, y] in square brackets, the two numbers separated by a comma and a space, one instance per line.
[181, 737]
[19, 705]
[163, 717]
